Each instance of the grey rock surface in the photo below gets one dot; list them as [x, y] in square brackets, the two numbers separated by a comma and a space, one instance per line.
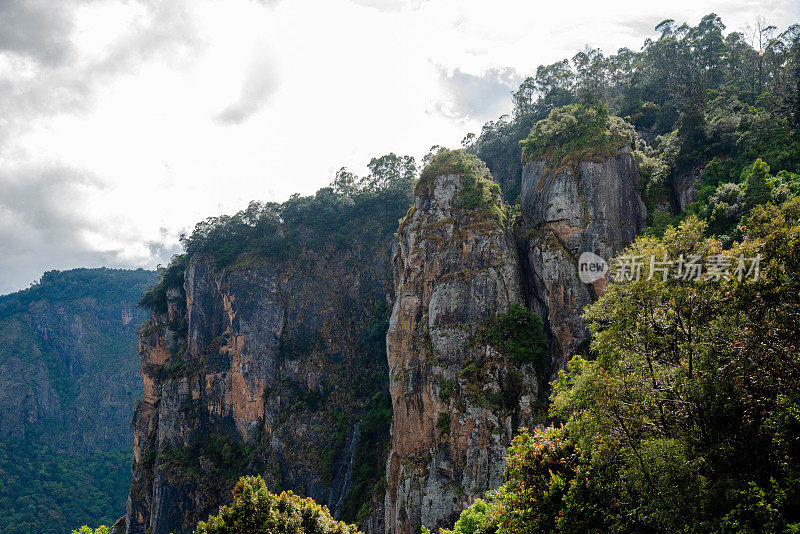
[582, 207]
[454, 269]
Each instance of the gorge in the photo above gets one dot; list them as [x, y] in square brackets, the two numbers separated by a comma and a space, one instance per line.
[270, 366]
[414, 348]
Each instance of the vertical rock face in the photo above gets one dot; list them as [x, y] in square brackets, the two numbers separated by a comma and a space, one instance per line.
[585, 206]
[456, 399]
[683, 186]
[268, 367]
[264, 369]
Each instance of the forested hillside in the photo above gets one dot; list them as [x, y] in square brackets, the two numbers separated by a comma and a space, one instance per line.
[69, 378]
[705, 105]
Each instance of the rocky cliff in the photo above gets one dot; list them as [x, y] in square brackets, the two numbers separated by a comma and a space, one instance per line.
[461, 269]
[274, 366]
[456, 398]
[585, 205]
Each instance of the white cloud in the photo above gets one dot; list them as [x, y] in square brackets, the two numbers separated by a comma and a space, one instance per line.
[482, 96]
[130, 120]
[259, 84]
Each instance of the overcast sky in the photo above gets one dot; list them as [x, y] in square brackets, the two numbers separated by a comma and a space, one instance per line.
[123, 123]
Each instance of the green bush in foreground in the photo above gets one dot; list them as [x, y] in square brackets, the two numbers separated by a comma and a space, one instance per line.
[471, 520]
[686, 416]
[255, 510]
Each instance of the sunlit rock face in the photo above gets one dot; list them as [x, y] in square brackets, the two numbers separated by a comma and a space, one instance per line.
[454, 269]
[264, 368]
[584, 206]
[259, 369]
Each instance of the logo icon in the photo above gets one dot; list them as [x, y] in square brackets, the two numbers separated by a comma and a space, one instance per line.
[591, 267]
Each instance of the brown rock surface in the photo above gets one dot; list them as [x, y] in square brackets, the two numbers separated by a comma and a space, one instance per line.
[454, 269]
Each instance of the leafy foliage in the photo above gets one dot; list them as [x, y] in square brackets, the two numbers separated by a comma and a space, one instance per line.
[687, 418]
[255, 510]
[210, 455]
[725, 205]
[575, 131]
[333, 219]
[693, 94]
[517, 333]
[478, 191]
[87, 530]
[537, 471]
[103, 284]
[654, 174]
[47, 490]
[155, 298]
[471, 520]
[330, 218]
[64, 463]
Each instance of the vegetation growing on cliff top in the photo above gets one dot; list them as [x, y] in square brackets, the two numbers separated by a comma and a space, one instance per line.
[577, 131]
[155, 298]
[103, 284]
[332, 219]
[694, 94]
[478, 191]
[352, 209]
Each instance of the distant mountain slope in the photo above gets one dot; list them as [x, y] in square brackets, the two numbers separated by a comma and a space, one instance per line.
[69, 379]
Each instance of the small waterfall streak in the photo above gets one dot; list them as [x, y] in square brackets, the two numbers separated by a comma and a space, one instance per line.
[348, 475]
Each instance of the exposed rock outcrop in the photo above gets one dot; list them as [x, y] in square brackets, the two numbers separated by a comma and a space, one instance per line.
[263, 368]
[581, 206]
[456, 399]
[260, 369]
[683, 186]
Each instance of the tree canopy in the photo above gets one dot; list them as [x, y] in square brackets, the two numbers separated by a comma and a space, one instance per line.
[255, 510]
[686, 418]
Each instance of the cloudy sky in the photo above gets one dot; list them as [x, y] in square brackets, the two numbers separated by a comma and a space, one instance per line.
[124, 122]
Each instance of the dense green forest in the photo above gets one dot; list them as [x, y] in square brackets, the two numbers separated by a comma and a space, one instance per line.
[701, 102]
[685, 417]
[331, 219]
[69, 346]
[45, 489]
